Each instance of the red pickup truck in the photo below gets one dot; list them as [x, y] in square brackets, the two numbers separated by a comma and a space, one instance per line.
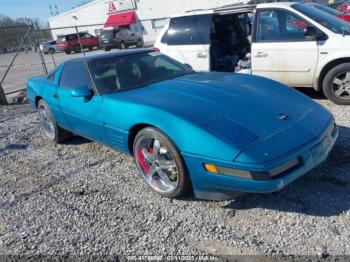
[69, 43]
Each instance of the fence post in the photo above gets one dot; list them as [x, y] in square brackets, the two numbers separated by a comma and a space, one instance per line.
[81, 46]
[3, 100]
[43, 64]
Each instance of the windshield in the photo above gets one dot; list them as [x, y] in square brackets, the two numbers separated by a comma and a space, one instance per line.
[133, 71]
[107, 33]
[327, 9]
[329, 21]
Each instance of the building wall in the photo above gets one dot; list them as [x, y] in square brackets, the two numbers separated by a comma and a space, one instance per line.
[149, 13]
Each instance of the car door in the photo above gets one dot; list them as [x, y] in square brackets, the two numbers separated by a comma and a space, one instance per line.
[128, 36]
[188, 40]
[281, 50]
[87, 40]
[83, 115]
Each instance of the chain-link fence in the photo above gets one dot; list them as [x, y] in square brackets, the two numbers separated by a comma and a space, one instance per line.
[26, 52]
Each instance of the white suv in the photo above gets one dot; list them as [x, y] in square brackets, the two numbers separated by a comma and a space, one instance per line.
[293, 43]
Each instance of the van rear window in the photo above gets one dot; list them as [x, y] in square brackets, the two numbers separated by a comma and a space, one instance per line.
[188, 30]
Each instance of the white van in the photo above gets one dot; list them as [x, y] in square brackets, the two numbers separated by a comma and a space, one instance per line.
[293, 43]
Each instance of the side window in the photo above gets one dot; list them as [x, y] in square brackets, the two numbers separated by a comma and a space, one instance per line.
[189, 30]
[74, 74]
[86, 35]
[268, 26]
[71, 37]
[280, 25]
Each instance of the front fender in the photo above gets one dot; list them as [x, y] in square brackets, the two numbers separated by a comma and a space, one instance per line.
[188, 137]
[341, 56]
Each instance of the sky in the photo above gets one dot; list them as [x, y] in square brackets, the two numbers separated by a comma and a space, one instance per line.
[34, 8]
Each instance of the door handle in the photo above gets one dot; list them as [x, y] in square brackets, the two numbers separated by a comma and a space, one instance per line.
[55, 95]
[202, 55]
[261, 54]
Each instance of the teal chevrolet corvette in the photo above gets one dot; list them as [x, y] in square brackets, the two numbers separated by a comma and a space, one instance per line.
[214, 133]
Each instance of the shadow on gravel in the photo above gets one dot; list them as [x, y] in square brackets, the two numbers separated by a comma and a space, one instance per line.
[14, 147]
[76, 140]
[311, 93]
[324, 191]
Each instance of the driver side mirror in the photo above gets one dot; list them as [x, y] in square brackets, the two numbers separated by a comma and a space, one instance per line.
[81, 91]
[312, 32]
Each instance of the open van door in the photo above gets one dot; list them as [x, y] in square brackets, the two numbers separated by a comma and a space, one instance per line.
[187, 39]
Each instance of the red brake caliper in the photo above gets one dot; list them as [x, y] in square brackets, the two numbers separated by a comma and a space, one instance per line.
[142, 161]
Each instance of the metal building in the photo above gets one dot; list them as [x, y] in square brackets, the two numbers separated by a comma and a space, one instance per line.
[146, 16]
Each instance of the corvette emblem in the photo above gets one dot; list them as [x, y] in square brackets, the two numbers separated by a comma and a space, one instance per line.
[284, 116]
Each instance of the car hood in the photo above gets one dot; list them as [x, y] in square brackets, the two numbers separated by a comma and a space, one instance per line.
[240, 109]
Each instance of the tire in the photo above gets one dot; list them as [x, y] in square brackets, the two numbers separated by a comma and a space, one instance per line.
[77, 49]
[123, 45]
[107, 49]
[336, 84]
[67, 52]
[90, 48]
[49, 126]
[51, 51]
[153, 150]
[139, 43]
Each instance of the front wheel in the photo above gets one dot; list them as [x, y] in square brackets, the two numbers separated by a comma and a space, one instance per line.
[160, 163]
[48, 124]
[336, 84]
[139, 43]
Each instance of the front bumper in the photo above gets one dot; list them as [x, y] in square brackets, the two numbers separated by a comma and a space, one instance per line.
[213, 186]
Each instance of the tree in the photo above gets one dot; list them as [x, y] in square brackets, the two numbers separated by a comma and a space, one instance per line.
[12, 31]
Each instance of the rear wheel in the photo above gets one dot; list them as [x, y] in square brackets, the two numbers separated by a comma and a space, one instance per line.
[122, 45]
[336, 84]
[160, 163]
[77, 49]
[67, 52]
[51, 51]
[90, 48]
[48, 124]
[107, 49]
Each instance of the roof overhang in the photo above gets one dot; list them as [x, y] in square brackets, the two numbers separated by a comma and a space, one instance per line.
[120, 19]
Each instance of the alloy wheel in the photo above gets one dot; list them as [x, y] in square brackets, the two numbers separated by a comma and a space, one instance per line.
[156, 164]
[46, 122]
[341, 85]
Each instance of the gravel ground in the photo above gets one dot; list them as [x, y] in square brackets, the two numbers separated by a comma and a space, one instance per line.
[82, 198]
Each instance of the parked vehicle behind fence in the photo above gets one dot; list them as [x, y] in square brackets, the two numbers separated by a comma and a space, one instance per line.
[70, 43]
[48, 47]
[293, 43]
[119, 38]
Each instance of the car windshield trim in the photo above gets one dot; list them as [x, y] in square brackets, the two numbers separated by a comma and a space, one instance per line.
[323, 18]
[162, 77]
